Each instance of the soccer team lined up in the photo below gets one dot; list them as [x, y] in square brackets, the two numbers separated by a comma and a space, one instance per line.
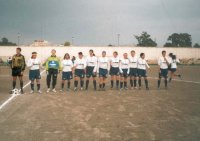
[129, 68]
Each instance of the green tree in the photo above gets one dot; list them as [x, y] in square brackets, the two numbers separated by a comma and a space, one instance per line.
[4, 42]
[67, 43]
[179, 40]
[196, 45]
[145, 40]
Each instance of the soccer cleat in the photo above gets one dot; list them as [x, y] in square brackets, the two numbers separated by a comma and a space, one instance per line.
[75, 89]
[31, 92]
[61, 90]
[21, 92]
[48, 90]
[39, 91]
[121, 89]
[81, 88]
[54, 90]
[126, 88]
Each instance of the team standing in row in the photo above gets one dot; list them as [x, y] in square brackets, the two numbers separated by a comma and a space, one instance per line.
[119, 69]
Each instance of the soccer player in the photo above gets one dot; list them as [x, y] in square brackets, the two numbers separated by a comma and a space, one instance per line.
[133, 69]
[102, 70]
[53, 67]
[124, 71]
[173, 70]
[18, 66]
[142, 66]
[114, 69]
[67, 66]
[163, 64]
[79, 65]
[34, 65]
[91, 69]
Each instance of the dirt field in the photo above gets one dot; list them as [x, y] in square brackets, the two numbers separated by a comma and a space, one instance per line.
[132, 115]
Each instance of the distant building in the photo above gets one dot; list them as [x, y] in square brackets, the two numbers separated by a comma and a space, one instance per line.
[40, 43]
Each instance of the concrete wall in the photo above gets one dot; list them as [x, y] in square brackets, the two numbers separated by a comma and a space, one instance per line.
[151, 53]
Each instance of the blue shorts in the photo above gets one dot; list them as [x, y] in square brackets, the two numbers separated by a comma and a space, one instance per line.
[173, 69]
[114, 71]
[103, 72]
[16, 72]
[89, 72]
[79, 73]
[125, 73]
[133, 72]
[163, 73]
[142, 73]
[34, 74]
[67, 75]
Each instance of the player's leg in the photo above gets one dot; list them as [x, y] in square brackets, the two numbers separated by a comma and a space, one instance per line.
[54, 82]
[21, 83]
[159, 79]
[146, 83]
[48, 80]
[139, 82]
[121, 81]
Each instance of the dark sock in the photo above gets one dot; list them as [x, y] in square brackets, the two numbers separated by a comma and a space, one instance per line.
[139, 82]
[117, 83]
[21, 85]
[135, 83]
[32, 87]
[95, 84]
[146, 83]
[75, 83]
[87, 83]
[111, 83]
[100, 85]
[165, 82]
[14, 84]
[125, 84]
[131, 82]
[82, 83]
[62, 85]
[104, 85]
[121, 85]
[38, 87]
[68, 84]
[158, 83]
[170, 79]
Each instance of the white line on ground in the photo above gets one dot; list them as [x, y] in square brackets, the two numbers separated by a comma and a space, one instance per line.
[15, 95]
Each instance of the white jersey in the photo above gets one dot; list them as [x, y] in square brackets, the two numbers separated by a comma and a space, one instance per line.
[133, 62]
[142, 64]
[67, 65]
[80, 63]
[92, 62]
[34, 64]
[103, 63]
[124, 63]
[174, 63]
[162, 63]
[114, 62]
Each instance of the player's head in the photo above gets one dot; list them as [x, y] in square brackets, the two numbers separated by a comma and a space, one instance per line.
[53, 52]
[142, 55]
[67, 56]
[174, 57]
[125, 55]
[34, 55]
[91, 52]
[133, 53]
[103, 53]
[163, 53]
[80, 55]
[170, 54]
[18, 50]
[115, 53]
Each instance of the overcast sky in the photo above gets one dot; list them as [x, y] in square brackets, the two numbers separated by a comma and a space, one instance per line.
[97, 22]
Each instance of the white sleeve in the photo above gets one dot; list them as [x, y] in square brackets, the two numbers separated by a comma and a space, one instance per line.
[95, 66]
[75, 63]
[147, 64]
[120, 67]
[29, 63]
